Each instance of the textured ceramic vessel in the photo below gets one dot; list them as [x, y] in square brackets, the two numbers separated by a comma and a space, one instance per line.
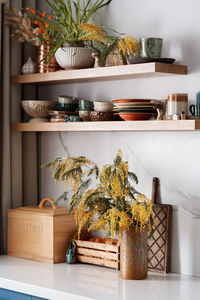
[29, 67]
[84, 114]
[133, 254]
[38, 109]
[101, 116]
[151, 47]
[74, 57]
[41, 64]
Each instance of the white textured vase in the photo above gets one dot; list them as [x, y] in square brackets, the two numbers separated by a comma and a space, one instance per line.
[74, 57]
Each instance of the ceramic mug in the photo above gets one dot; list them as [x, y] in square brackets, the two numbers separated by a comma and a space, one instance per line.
[151, 47]
[195, 109]
[72, 119]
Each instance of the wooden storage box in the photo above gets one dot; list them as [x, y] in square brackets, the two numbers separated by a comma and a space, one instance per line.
[40, 233]
[98, 254]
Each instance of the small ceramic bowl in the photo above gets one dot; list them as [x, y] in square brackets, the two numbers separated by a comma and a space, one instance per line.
[103, 106]
[67, 99]
[85, 104]
[68, 106]
[101, 116]
[84, 114]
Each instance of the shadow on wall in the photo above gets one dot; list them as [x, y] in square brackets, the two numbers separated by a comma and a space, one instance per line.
[174, 246]
[189, 47]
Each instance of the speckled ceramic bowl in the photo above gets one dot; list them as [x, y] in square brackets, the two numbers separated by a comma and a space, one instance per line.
[37, 108]
[101, 116]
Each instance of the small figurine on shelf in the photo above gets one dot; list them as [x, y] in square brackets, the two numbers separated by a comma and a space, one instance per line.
[70, 255]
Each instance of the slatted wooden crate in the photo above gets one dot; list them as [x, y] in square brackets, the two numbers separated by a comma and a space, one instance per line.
[98, 254]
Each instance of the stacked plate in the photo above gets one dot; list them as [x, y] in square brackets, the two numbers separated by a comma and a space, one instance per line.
[135, 109]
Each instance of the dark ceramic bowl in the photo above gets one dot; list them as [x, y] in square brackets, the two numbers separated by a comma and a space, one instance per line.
[68, 106]
[85, 104]
[101, 116]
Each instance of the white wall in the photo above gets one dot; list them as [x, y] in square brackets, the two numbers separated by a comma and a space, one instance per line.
[174, 157]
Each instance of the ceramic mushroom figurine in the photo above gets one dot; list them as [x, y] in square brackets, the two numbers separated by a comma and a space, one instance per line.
[97, 63]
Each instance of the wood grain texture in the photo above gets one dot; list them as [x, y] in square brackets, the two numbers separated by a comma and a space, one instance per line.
[163, 125]
[98, 253]
[158, 246]
[97, 261]
[41, 234]
[106, 73]
[99, 246]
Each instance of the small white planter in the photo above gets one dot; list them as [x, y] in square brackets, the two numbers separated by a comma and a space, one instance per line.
[74, 57]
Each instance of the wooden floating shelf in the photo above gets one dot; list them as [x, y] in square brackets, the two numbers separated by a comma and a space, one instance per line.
[100, 74]
[181, 125]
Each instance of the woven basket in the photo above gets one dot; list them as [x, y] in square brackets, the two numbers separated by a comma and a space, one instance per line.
[133, 254]
[74, 57]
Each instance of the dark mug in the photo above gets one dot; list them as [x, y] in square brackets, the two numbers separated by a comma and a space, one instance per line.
[72, 119]
[195, 109]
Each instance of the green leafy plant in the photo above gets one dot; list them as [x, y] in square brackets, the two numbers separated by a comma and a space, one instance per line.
[113, 204]
[70, 18]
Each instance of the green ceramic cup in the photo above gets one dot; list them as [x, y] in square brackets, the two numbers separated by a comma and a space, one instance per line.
[195, 109]
[151, 47]
[72, 119]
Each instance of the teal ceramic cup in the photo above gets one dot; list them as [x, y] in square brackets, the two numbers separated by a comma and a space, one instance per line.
[195, 109]
[151, 47]
[72, 119]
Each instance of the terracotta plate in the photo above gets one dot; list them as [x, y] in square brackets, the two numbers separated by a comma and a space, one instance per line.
[131, 100]
[135, 116]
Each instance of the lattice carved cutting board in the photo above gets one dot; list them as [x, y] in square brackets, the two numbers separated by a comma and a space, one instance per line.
[158, 247]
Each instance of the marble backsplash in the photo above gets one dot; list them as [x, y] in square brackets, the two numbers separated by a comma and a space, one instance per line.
[172, 157]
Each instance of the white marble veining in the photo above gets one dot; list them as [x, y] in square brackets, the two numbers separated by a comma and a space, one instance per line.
[87, 282]
[173, 157]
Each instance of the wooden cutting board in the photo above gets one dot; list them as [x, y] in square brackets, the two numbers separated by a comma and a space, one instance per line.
[158, 247]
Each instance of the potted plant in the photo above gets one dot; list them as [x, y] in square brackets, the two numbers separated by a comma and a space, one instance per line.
[71, 18]
[113, 205]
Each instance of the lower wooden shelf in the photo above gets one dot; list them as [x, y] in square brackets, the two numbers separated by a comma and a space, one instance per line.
[180, 125]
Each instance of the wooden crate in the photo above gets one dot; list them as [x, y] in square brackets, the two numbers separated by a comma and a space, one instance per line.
[98, 254]
[40, 233]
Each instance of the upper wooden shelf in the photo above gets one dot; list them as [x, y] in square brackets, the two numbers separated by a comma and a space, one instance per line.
[181, 125]
[106, 73]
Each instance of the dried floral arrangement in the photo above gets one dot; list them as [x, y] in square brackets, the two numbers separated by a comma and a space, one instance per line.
[31, 26]
[128, 46]
[22, 26]
[113, 205]
[68, 23]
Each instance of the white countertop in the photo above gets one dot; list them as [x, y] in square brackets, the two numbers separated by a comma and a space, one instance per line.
[83, 281]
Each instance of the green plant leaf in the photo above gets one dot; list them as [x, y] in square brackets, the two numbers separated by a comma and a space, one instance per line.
[47, 165]
[117, 160]
[133, 177]
[63, 196]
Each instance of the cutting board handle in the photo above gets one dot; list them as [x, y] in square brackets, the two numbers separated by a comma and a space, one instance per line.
[43, 201]
[154, 190]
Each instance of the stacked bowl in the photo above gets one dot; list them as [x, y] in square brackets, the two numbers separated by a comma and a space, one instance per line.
[106, 106]
[135, 109]
[102, 111]
[67, 103]
[84, 108]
